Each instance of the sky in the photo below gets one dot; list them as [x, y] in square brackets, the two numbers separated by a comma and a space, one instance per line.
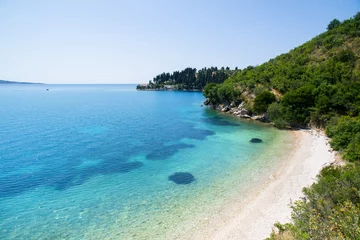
[129, 41]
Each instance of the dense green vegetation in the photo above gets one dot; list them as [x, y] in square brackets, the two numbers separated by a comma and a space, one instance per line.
[262, 101]
[330, 209]
[316, 84]
[345, 136]
[189, 78]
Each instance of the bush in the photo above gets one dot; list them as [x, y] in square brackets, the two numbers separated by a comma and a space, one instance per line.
[297, 105]
[275, 111]
[330, 208]
[210, 92]
[345, 136]
[262, 101]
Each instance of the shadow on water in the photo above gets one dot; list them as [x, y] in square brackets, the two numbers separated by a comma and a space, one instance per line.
[60, 170]
[256, 140]
[182, 178]
[165, 152]
[218, 121]
[19, 183]
[108, 168]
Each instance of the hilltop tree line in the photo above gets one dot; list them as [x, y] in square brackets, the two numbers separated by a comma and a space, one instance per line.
[316, 84]
[189, 78]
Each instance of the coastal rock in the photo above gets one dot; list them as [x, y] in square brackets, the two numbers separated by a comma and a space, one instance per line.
[207, 102]
[232, 104]
[233, 110]
[244, 116]
[219, 107]
[261, 118]
[243, 111]
[225, 109]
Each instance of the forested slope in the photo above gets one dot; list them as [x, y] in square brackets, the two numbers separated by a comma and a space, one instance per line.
[316, 84]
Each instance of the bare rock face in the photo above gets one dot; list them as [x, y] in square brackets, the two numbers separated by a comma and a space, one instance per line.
[225, 109]
[261, 118]
[233, 110]
[207, 102]
[219, 107]
[244, 116]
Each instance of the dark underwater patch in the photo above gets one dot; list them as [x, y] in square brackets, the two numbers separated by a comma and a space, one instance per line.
[200, 134]
[218, 121]
[182, 178]
[256, 140]
[167, 151]
[20, 183]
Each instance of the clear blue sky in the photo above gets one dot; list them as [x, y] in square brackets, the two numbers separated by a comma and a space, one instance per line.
[85, 41]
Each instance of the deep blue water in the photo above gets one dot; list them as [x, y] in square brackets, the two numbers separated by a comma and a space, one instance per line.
[94, 161]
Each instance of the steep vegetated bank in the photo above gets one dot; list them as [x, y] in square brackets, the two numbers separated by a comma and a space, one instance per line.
[316, 84]
[187, 79]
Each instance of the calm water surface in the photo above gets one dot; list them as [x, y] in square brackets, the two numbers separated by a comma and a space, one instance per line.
[94, 161]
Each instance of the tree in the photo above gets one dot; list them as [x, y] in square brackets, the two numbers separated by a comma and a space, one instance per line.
[357, 16]
[276, 113]
[262, 101]
[210, 92]
[333, 24]
[297, 105]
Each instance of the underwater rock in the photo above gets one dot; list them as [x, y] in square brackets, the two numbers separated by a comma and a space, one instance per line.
[256, 140]
[182, 178]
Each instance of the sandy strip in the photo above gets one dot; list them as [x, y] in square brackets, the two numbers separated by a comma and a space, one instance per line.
[270, 203]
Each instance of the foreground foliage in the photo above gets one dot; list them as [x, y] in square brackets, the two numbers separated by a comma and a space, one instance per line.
[329, 210]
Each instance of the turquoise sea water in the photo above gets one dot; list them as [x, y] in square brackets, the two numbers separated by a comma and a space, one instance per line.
[93, 161]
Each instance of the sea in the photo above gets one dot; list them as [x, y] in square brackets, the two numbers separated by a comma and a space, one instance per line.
[110, 162]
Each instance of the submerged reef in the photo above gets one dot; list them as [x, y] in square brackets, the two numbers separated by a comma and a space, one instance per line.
[182, 178]
[256, 140]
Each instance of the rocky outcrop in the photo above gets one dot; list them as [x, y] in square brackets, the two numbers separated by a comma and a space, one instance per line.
[261, 118]
[207, 102]
[225, 109]
[239, 111]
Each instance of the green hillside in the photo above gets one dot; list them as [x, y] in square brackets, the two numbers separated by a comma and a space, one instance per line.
[316, 84]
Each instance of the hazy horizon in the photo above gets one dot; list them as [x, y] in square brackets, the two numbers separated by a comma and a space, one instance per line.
[123, 42]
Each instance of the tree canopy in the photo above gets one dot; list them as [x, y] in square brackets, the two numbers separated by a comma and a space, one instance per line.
[190, 78]
[333, 24]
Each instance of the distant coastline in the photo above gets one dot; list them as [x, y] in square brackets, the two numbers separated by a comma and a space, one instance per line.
[156, 87]
[14, 82]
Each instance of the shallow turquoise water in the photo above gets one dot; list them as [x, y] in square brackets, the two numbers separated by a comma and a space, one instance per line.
[92, 162]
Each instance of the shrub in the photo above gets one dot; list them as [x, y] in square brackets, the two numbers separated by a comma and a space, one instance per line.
[262, 101]
[297, 105]
[275, 111]
[330, 208]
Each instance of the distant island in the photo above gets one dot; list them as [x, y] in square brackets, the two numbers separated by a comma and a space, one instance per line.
[13, 82]
[189, 79]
